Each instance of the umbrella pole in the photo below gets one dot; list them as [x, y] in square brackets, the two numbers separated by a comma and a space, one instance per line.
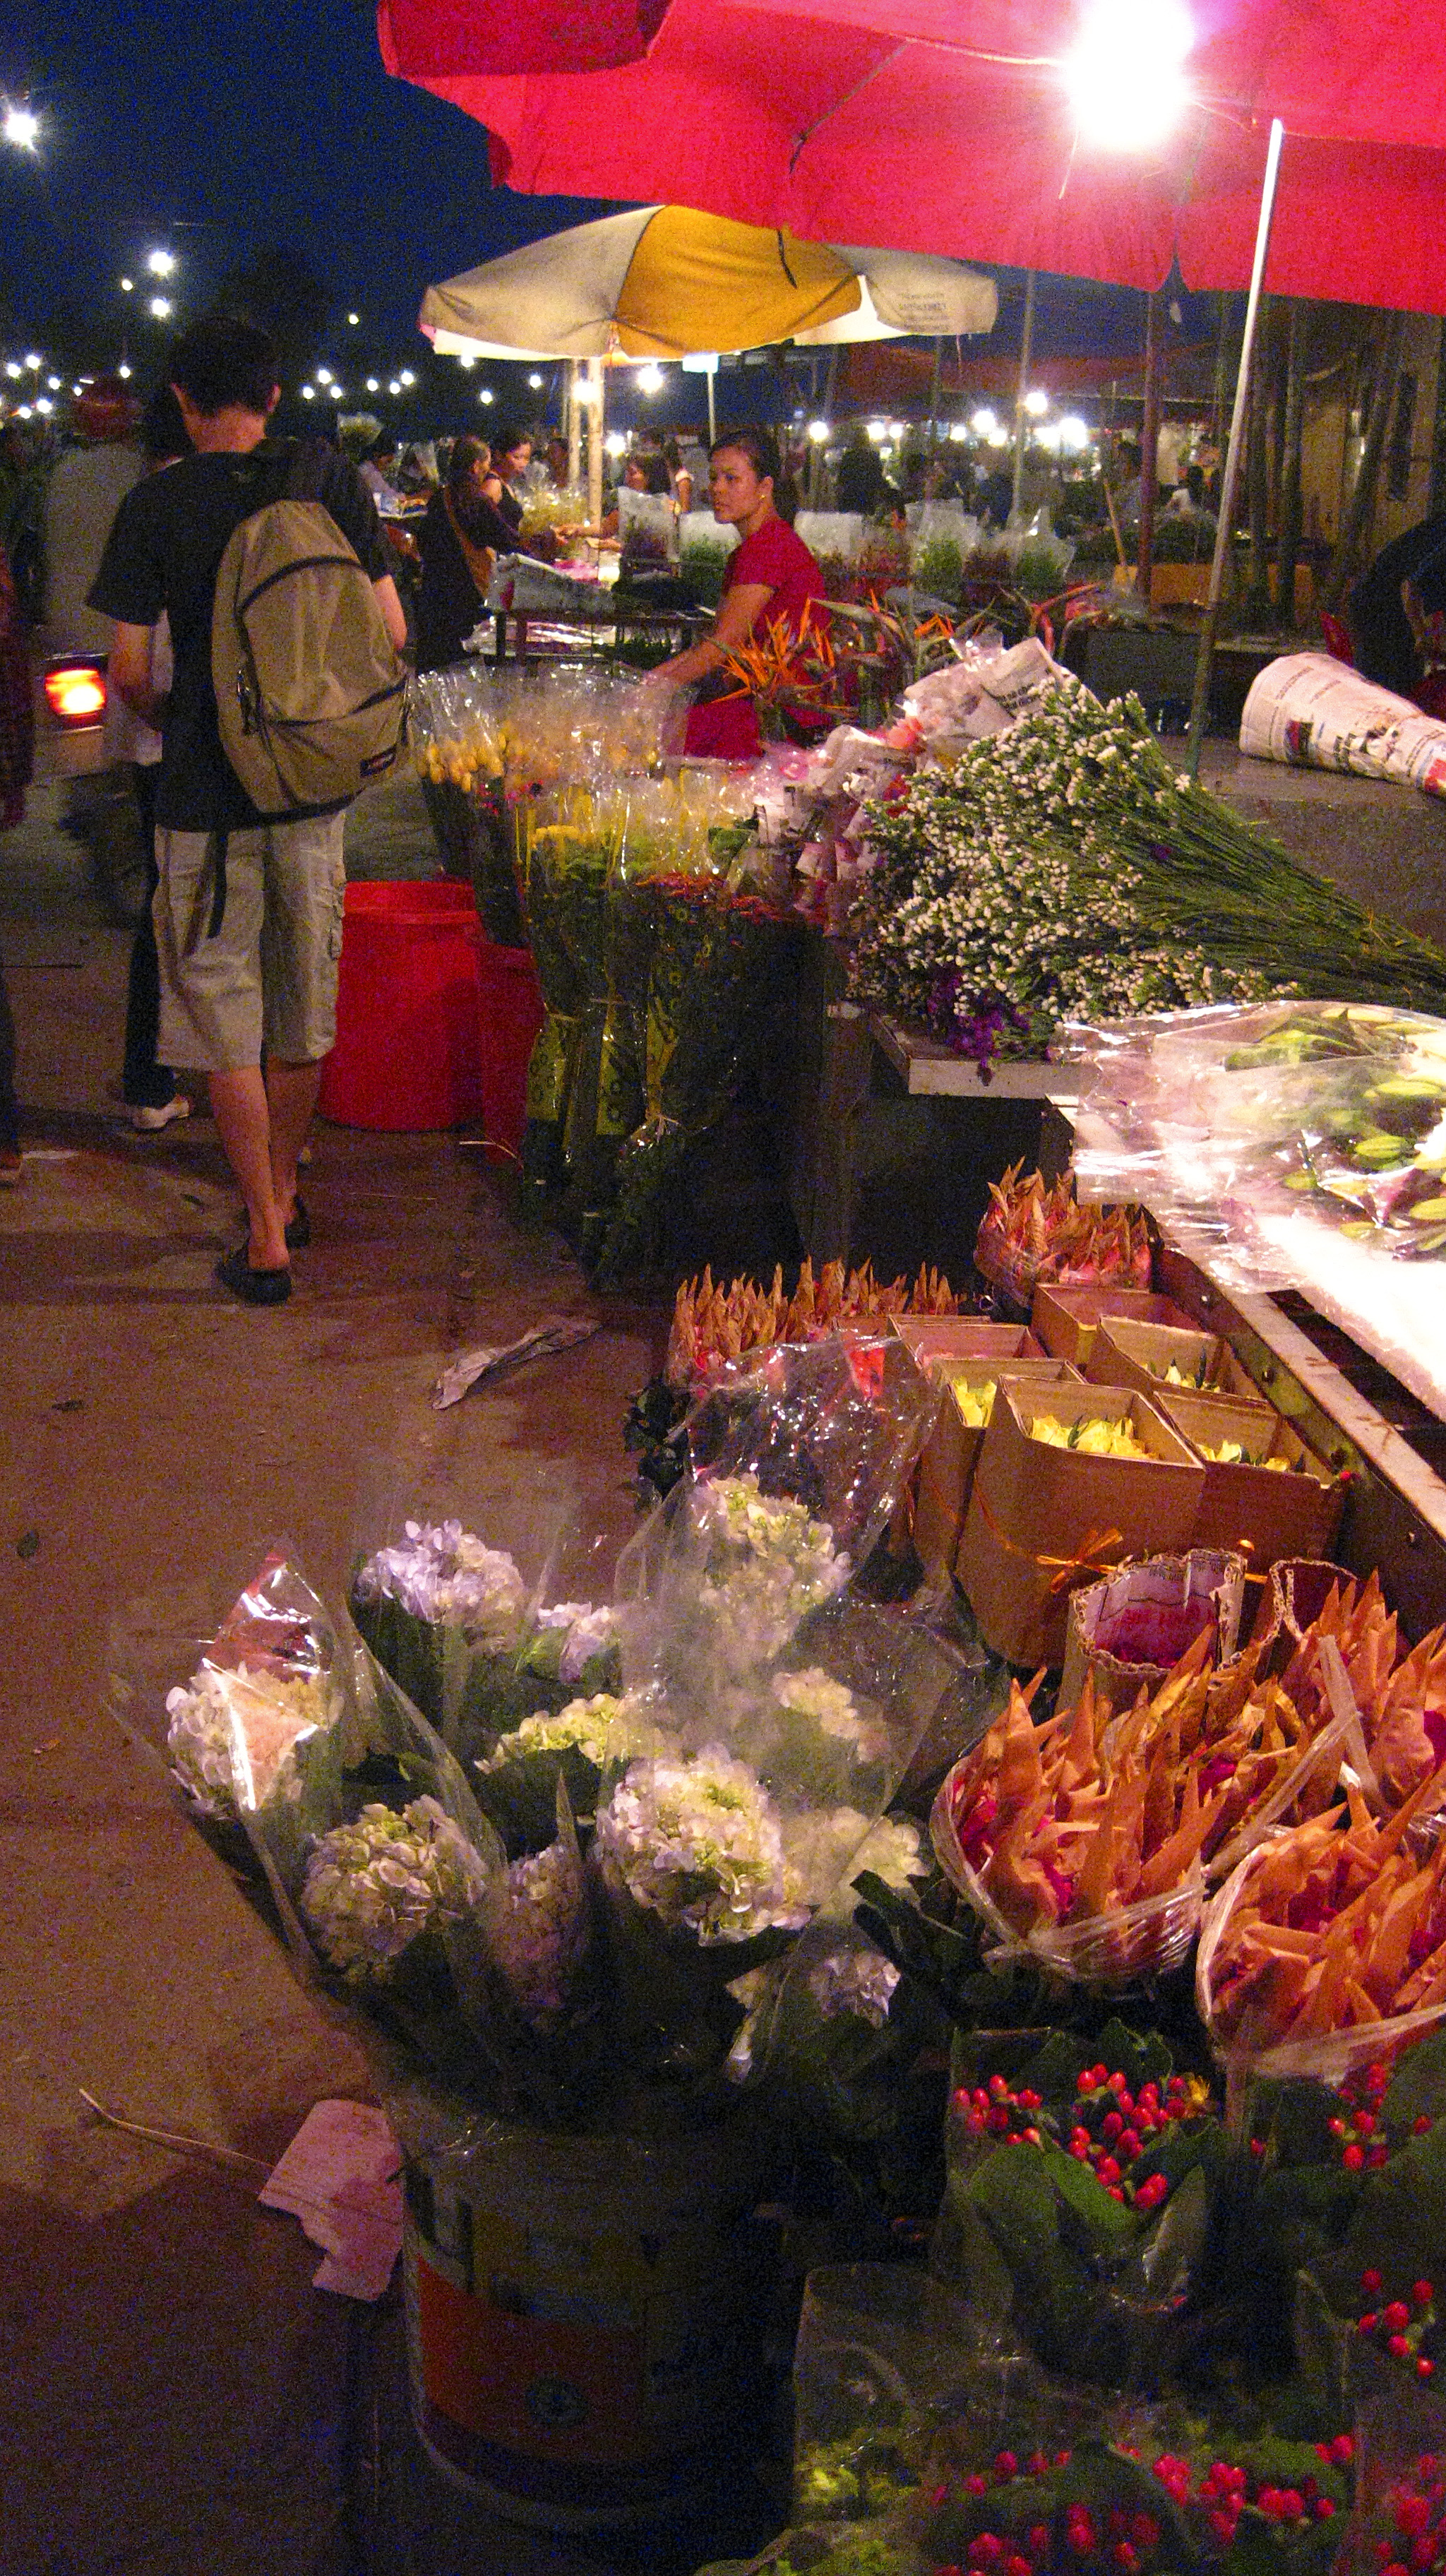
[595, 381]
[574, 429]
[712, 378]
[1149, 453]
[1205, 654]
[1021, 416]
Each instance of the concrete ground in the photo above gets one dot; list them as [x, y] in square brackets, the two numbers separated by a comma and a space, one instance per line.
[176, 2397]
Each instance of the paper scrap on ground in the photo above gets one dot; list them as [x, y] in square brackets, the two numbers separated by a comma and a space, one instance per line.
[341, 2176]
[554, 1333]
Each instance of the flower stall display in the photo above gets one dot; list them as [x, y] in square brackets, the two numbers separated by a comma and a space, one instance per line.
[1035, 1233]
[713, 1324]
[1063, 871]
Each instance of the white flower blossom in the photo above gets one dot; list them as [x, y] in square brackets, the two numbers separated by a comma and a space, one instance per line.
[444, 1574]
[590, 1629]
[830, 1706]
[539, 1928]
[854, 1981]
[767, 1563]
[232, 1735]
[373, 1887]
[823, 1842]
[700, 1844]
[603, 1729]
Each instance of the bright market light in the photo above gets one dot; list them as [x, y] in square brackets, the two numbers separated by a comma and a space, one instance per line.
[308, 393]
[11, 369]
[536, 383]
[1036, 402]
[878, 431]
[354, 319]
[44, 404]
[819, 432]
[372, 385]
[466, 359]
[161, 263]
[1125, 76]
[394, 387]
[159, 308]
[484, 393]
[54, 383]
[650, 378]
[405, 376]
[1049, 437]
[22, 411]
[959, 431]
[615, 443]
[1074, 434]
[22, 128]
[127, 286]
[999, 436]
[323, 375]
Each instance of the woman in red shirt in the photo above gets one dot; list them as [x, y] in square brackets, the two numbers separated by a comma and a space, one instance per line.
[771, 576]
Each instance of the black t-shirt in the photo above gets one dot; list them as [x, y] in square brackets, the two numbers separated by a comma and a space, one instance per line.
[164, 552]
[1380, 628]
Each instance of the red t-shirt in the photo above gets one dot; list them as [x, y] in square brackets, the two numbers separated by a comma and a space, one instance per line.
[726, 728]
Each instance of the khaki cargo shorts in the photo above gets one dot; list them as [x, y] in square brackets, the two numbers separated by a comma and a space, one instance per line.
[251, 960]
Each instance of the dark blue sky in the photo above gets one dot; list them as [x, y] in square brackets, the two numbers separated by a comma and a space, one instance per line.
[220, 125]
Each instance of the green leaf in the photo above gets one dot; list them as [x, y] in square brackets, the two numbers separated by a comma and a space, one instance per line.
[1417, 2089]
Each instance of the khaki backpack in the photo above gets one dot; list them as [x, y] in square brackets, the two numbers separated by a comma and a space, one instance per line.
[309, 688]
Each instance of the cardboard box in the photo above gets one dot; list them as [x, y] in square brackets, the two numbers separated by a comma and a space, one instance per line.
[1033, 1508]
[1126, 1632]
[946, 1469]
[1067, 1319]
[1126, 1353]
[1266, 1512]
[964, 1337]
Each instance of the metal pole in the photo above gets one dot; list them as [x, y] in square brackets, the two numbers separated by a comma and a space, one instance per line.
[712, 378]
[1205, 655]
[594, 439]
[574, 429]
[1021, 416]
[1149, 453]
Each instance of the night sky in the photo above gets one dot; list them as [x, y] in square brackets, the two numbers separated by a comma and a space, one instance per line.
[219, 126]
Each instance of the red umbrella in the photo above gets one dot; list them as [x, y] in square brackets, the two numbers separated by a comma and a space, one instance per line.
[947, 125]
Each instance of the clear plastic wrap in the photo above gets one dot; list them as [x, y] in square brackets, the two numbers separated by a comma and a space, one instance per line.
[456, 726]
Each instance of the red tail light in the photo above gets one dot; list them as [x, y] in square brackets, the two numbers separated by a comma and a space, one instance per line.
[75, 694]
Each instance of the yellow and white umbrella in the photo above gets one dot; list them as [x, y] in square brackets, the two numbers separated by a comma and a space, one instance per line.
[668, 282]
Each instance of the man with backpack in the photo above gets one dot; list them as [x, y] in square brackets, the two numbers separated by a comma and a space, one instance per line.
[269, 561]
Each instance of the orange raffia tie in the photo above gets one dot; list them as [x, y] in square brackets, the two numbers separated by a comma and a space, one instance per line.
[1089, 1557]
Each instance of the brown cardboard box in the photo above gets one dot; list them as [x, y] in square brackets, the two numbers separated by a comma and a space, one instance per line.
[964, 1337]
[1033, 1508]
[1126, 1353]
[946, 1469]
[1067, 1319]
[1263, 1512]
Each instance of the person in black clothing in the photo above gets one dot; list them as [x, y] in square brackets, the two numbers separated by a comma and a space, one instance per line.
[1387, 610]
[148, 1087]
[859, 481]
[248, 912]
[511, 456]
[460, 537]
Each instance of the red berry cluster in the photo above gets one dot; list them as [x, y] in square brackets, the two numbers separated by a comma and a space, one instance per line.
[1117, 2541]
[1397, 2328]
[1109, 2128]
[1417, 2511]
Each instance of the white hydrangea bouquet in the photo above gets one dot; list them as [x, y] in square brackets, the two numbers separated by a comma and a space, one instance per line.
[564, 1929]
[456, 1625]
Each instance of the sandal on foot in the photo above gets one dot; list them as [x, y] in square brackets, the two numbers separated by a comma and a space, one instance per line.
[298, 1231]
[253, 1287]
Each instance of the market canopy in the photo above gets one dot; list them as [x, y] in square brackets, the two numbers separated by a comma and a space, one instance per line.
[663, 281]
[945, 126]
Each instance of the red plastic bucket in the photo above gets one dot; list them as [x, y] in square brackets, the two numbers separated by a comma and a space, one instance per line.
[510, 1015]
[407, 1052]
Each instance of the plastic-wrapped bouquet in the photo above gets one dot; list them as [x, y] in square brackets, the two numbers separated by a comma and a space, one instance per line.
[454, 1623]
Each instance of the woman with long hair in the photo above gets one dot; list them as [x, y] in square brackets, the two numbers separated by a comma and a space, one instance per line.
[770, 580]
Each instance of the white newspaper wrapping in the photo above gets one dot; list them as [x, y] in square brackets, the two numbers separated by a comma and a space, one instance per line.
[1312, 712]
[985, 692]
